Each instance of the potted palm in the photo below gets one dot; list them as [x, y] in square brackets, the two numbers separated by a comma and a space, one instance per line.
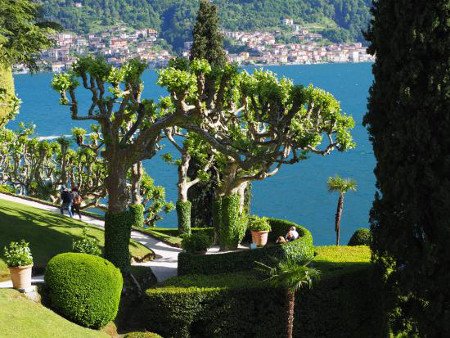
[20, 261]
[260, 228]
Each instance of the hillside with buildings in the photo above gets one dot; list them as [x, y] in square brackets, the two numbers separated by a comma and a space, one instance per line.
[337, 20]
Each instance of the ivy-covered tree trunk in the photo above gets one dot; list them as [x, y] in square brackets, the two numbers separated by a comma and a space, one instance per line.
[409, 123]
[232, 226]
[7, 86]
[118, 220]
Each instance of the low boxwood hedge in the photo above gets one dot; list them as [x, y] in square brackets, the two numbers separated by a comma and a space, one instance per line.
[300, 249]
[343, 303]
[83, 288]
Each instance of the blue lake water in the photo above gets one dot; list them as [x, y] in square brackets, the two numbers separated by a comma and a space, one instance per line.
[298, 192]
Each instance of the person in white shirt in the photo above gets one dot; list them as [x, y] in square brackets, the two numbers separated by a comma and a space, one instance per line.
[292, 235]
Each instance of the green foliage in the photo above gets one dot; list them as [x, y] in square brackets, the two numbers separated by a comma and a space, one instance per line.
[84, 288]
[154, 201]
[299, 250]
[344, 302]
[232, 225]
[87, 245]
[408, 119]
[184, 217]
[9, 104]
[256, 223]
[22, 35]
[6, 189]
[18, 254]
[196, 243]
[289, 274]
[361, 236]
[341, 185]
[117, 239]
[37, 168]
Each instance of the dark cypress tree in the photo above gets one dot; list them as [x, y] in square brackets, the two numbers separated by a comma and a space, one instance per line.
[409, 123]
[208, 40]
[207, 44]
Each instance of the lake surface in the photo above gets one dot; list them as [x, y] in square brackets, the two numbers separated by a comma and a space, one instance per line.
[298, 192]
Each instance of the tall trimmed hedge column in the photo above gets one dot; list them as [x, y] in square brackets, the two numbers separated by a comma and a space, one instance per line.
[232, 227]
[184, 217]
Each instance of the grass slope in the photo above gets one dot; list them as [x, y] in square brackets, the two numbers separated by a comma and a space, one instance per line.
[48, 233]
[20, 317]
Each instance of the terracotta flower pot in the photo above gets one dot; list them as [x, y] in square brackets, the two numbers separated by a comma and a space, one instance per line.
[260, 237]
[21, 277]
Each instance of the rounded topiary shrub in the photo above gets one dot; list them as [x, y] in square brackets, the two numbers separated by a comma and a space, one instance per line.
[84, 288]
[360, 237]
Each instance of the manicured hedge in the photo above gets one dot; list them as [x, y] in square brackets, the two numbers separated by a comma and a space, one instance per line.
[184, 217]
[361, 236]
[300, 249]
[84, 288]
[343, 303]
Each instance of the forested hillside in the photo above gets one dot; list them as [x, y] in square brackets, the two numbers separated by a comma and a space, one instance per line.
[340, 20]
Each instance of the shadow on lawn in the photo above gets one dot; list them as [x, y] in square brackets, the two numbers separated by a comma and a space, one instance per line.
[45, 231]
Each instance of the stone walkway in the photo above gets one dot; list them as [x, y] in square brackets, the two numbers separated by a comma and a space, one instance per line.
[164, 266]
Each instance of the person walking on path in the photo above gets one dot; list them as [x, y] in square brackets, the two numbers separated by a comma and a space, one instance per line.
[66, 198]
[76, 201]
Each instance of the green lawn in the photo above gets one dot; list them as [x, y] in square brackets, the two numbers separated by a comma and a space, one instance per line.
[48, 233]
[20, 317]
[332, 260]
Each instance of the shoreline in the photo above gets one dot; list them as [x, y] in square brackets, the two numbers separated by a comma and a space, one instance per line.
[240, 65]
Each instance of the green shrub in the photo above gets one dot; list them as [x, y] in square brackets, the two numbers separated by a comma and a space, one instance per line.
[256, 223]
[196, 243]
[361, 236]
[83, 288]
[6, 189]
[343, 303]
[301, 249]
[184, 217]
[136, 215]
[18, 254]
[87, 245]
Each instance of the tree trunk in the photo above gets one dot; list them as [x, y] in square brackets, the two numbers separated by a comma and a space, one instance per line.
[183, 183]
[136, 176]
[337, 226]
[117, 219]
[290, 305]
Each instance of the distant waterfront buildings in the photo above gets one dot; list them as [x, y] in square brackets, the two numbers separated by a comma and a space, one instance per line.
[120, 44]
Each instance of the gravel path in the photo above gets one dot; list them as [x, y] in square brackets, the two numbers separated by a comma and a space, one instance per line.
[164, 266]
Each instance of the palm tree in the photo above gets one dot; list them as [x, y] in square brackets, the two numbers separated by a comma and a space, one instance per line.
[290, 275]
[340, 185]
